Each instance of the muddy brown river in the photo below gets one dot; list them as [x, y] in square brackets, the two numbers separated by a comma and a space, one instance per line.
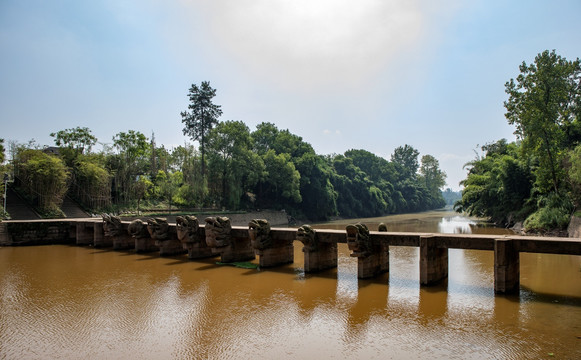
[69, 302]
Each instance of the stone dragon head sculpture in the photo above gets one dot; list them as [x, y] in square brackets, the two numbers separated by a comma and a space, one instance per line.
[138, 229]
[111, 225]
[218, 231]
[259, 233]
[158, 228]
[358, 240]
[308, 236]
[187, 228]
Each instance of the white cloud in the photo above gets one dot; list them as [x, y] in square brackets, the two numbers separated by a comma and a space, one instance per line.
[314, 44]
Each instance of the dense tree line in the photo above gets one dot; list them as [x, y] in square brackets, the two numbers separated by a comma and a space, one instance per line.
[236, 168]
[536, 179]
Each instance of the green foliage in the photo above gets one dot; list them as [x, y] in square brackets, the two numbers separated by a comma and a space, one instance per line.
[268, 168]
[319, 198]
[538, 178]
[233, 167]
[406, 158]
[79, 138]
[92, 182]
[168, 186]
[282, 178]
[44, 178]
[2, 152]
[554, 212]
[432, 177]
[498, 185]
[544, 105]
[128, 164]
[202, 115]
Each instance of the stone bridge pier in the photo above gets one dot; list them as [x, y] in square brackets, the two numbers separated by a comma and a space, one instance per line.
[318, 255]
[232, 246]
[115, 232]
[372, 255]
[143, 242]
[165, 237]
[506, 266]
[192, 237]
[433, 261]
[271, 252]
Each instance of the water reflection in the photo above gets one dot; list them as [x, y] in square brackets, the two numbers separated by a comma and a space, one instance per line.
[456, 225]
[447, 222]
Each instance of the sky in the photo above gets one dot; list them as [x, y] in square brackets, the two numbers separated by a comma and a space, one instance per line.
[342, 74]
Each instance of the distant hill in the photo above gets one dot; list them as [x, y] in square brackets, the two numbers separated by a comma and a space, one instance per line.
[451, 196]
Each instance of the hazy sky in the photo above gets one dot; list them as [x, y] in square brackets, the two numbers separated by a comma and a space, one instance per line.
[364, 74]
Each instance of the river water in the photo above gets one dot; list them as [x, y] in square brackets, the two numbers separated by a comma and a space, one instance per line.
[69, 302]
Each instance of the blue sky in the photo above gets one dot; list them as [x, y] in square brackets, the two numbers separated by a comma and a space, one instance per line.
[365, 74]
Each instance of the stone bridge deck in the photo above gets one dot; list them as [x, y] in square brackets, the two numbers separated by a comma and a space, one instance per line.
[433, 247]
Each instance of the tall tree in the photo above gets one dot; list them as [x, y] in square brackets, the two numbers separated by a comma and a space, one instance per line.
[544, 103]
[2, 155]
[231, 163]
[202, 116]
[407, 159]
[434, 178]
[80, 139]
[73, 143]
[131, 161]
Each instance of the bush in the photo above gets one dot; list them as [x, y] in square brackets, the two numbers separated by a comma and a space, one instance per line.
[554, 212]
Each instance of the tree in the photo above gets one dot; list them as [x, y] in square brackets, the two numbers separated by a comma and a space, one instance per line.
[44, 178]
[406, 157]
[2, 152]
[91, 182]
[282, 178]
[79, 139]
[319, 198]
[169, 184]
[544, 104]
[202, 117]
[264, 137]
[73, 143]
[498, 185]
[130, 162]
[434, 178]
[232, 164]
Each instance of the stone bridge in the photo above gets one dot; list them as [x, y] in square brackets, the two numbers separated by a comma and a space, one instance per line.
[275, 246]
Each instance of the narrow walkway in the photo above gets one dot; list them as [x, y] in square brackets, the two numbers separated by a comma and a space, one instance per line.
[72, 209]
[18, 208]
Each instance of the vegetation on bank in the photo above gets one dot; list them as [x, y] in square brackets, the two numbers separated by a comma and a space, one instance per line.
[233, 168]
[537, 179]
